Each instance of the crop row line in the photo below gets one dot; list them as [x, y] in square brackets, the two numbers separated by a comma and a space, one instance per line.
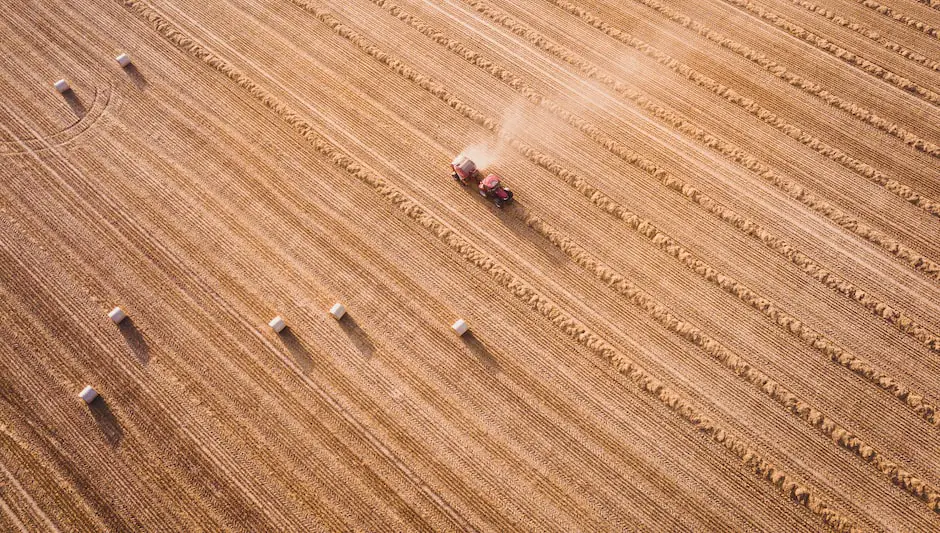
[852, 109]
[899, 49]
[844, 438]
[830, 279]
[748, 104]
[896, 15]
[668, 244]
[865, 65]
[911, 257]
[930, 3]
[519, 288]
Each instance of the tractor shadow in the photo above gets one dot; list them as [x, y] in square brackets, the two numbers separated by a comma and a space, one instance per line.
[513, 218]
[300, 353]
[136, 76]
[107, 422]
[481, 352]
[75, 103]
[135, 340]
[358, 336]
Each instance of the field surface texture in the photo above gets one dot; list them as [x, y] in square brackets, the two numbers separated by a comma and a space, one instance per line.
[713, 305]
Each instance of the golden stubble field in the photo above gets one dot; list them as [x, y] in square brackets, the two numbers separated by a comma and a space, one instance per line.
[714, 304]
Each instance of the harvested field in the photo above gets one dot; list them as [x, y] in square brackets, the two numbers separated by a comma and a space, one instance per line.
[713, 305]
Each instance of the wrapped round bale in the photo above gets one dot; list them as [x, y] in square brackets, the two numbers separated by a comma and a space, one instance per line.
[460, 327]
[277, 324]
[88, 394]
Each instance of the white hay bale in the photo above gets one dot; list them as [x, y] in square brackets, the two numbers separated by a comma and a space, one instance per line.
[123, 60]
[117, 315]
[277, 324]
[88, 394]
[338, 310]
[61, 85]
[460, 327]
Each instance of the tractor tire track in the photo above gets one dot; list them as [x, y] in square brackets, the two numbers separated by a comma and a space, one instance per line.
[309, 423]
[6, 474]
[202, 444]
[345, 415]
[222, 404]
[294, 95]
[70, 513]
[73, 463]
[53, 340]
[454, 481]
[300, 227]
[739, 366]
[212, 453]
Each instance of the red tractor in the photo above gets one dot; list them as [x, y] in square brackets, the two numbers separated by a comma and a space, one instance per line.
[490, 187]
[465, 171]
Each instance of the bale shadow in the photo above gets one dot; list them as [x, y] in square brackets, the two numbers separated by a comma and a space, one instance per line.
[135, 340]
[298, 351]
[481, 352]
[107, 422]
[136, 76]
[74, 102]
[358, 336]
